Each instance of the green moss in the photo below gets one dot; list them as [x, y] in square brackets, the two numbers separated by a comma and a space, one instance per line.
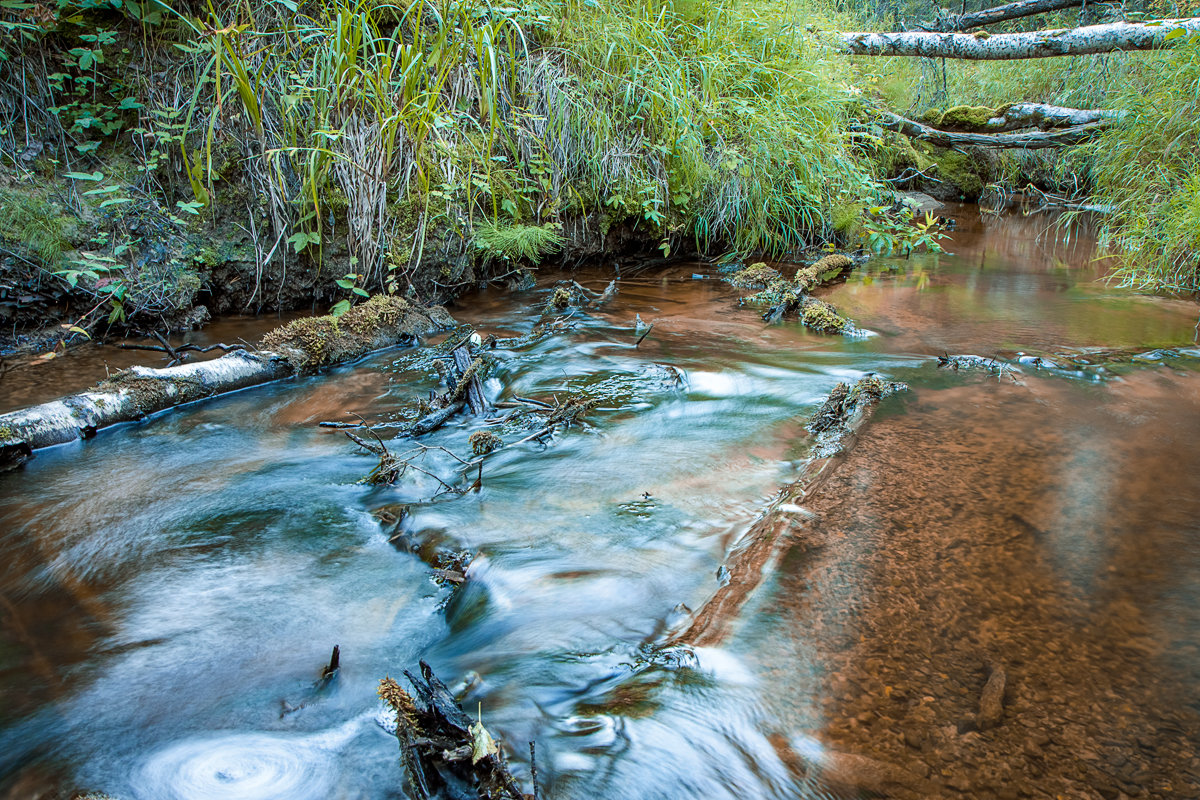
[755, 276]
[319, 341]
[966, 118]
[963, 172]
[39, 227]
[932, 117]
[776, 291]
[832, 262]
[6, 432]
[822, 317]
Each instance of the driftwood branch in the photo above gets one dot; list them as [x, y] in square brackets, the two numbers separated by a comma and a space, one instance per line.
[1034, 140]
[183, 348]
[1081, 41]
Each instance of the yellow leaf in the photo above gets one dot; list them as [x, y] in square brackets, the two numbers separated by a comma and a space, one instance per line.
[484, 745]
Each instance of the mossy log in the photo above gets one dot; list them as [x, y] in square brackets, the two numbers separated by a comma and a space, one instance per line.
[1018, 116]
[299, 347]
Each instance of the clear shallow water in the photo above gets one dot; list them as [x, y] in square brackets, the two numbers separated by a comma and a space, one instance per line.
[169, 591]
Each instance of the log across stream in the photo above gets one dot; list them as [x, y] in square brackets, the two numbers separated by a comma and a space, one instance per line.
[170, 593]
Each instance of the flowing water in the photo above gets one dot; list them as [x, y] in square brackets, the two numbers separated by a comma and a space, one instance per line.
[170, 590]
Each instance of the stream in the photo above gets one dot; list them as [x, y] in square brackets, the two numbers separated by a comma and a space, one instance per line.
[170, 590]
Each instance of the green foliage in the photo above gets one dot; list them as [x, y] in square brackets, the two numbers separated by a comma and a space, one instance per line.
[518, 242]
[1147, 170]
[714, 120]
[887, 232]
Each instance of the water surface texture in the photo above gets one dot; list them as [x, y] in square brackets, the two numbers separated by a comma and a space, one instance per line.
[169, 591]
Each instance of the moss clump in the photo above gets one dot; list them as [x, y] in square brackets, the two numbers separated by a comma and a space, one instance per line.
[319, 341]
[963, 171]
[484, 442]
[6, 432]
[755, 276]
[825, 269]
[776, 292]
[967, 118]
[932, 117]
[561, 299]
[822, 317]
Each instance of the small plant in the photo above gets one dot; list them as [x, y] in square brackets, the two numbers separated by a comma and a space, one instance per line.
[348, 281]
[518, 242]
[886, 231]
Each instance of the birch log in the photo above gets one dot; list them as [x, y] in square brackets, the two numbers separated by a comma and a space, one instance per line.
[1034, 140]
[299, 347]
[1080, 41]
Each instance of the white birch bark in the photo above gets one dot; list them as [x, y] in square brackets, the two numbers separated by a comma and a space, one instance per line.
[1080, 41]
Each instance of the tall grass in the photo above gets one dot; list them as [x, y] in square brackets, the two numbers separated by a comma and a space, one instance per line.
[1147, 169]
[707, 122]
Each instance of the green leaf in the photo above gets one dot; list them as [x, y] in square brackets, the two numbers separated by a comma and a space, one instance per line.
[345, 284]
[339, 308]
[1175, 34]
[129, 103]
[360, 292]
[103, 190]
[86, 176]
[116, 201]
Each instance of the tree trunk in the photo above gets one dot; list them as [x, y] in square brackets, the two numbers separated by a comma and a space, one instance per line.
[1036, 140]
[990, 16]
[299, 347]
[1006, 46]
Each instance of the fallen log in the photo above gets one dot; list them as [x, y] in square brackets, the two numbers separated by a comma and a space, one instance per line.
[1081, 41]
[990, 16]
[1018, 116]
[834, 427]
[299, 347]
[1034, 140]
[435, 419]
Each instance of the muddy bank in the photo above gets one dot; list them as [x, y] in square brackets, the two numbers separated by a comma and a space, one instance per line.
[984, 604]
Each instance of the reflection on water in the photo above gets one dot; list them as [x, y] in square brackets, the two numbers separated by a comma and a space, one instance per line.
[170, 590]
